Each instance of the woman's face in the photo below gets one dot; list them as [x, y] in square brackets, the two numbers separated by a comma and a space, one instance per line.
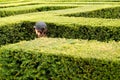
[38, 33]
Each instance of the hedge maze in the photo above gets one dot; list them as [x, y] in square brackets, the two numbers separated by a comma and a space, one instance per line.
[83, 41]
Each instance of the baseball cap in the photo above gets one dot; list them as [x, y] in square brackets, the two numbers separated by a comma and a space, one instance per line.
[40, 25]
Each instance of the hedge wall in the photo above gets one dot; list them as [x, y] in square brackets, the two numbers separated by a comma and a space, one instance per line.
[9, 12]
[7, 5]
[24, 31]
[101, 33]
[102, 13]
[16, 32]
[29, 65]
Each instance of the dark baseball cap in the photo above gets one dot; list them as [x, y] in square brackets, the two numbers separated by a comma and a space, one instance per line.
[40, 25]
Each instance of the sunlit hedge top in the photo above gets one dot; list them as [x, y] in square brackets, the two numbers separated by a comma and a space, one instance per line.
[70, 47]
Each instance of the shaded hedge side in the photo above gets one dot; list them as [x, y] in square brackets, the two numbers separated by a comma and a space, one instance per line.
[29, 65]
[113, 13]
[24, 31]
[16, 32]
[18, 4]
[101, 33]
[4, 13]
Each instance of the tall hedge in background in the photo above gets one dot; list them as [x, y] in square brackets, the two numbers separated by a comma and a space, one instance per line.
[8, 12]
[100, 33]
[113, 13]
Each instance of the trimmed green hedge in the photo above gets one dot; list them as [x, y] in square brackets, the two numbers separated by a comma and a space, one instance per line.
[86, 0]
[65, 0]
[29, 65]
[11, 11]
[18, 4]
[75, 31]
[24, 31]
[102, 13]
[6, 5]
[16, 32]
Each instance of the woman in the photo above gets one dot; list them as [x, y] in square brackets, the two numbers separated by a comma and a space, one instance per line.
[40, 29]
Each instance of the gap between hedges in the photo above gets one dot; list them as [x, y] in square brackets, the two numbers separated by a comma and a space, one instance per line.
[24, 31]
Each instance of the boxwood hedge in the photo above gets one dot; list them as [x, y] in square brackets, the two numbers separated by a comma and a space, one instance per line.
[24, 31]
[16, 32]
[24, 64]
[102, 13]
[12, 11]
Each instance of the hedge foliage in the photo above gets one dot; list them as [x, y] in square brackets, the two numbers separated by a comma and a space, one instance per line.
[45, 60]
[7, 5]
[86, 0]
[53, 16]
[24, 31]
[29, 62]
[16, 32]
[17, 4]
[102, 13]
[64, 0]
[8, 12]
[85, 32]
[27, 65]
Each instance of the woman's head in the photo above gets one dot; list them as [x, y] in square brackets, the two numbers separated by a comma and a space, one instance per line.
[40, 29]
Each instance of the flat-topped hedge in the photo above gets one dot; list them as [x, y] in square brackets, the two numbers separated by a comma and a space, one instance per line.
[48, 58]
[24, 31]
[52, 16]
[62, 0]
[73, 11]
[84, 0]
[56, 58]
[6, 5]
[31, 8]
[112, 12]
[20, 27]
[16, 4]
[16, 32]
[84, 8]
